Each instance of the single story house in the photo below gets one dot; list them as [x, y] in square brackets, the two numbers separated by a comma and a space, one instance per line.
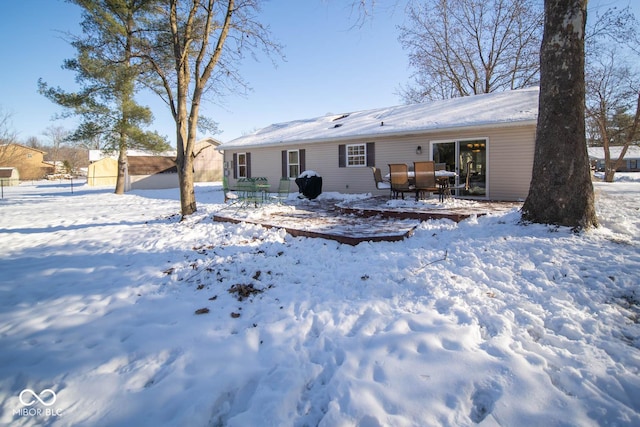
[489, 137]
[631, 158]
[9, 177]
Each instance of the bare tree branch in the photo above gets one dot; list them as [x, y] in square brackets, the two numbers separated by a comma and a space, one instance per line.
[465, 47]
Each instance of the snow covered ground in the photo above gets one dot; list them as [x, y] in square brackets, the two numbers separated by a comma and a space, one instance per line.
[484, 322]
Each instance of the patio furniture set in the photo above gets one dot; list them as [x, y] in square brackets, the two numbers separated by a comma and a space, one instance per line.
[254, 191]
[426, 177]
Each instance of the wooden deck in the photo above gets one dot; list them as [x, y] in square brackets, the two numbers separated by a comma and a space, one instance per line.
[351, 222]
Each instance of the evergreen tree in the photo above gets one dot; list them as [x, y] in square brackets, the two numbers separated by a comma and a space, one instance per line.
[106, 68]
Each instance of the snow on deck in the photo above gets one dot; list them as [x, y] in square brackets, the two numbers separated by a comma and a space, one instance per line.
[372, 219]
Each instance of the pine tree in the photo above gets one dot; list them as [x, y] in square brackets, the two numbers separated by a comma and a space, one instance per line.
[107, 68]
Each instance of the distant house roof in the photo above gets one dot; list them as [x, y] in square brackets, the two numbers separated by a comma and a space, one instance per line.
[149, 165]
[501, 109]
[95, 155]
[208, 140]
[4, 146]
[6, 172]
[597, 153]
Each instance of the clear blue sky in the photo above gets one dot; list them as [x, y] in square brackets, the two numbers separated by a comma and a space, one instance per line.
[330, 67]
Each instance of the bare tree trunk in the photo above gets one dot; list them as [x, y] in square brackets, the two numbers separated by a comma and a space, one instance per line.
[184, 163]
[611, 166]
[561, 191]
[199, 30]
[609, 174]
[187, 192]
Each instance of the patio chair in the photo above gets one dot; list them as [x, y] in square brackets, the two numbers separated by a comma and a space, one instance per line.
[248, 193]
[399, 174]
[229, 195]
[283, 190]
[425, 175]
[262, 187]
[380, 183]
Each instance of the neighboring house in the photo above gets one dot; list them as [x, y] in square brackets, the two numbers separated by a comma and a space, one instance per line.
[9, 177]
[29, 161]
[208, 162]
[491, 137]
[631, 158]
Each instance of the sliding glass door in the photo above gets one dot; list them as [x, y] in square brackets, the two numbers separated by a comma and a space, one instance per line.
[468, 158]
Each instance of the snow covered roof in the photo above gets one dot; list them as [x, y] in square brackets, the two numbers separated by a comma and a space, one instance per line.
[597, 153]
[494, 109]
[95, 155]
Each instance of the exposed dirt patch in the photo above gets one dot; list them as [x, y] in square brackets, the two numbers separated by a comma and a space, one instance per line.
[244, 291]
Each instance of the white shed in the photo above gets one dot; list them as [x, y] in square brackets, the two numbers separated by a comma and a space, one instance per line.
[9, 177]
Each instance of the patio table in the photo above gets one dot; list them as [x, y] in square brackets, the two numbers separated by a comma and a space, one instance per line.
[442, 179]
[249, 189]
[262, 186]
[439, 174]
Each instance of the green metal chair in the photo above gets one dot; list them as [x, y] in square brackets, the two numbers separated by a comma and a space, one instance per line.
[283, 190]
[248, 193]
[229, 195]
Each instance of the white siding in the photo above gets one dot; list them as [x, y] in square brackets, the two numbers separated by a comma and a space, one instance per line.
[511, 163]
[510, 160]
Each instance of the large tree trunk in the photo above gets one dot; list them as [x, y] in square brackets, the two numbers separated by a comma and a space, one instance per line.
[185, 179]
[184, 161]
[122, 171]
[609, 167]
[561, 191]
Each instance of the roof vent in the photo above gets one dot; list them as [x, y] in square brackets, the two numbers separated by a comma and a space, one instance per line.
[344, 116]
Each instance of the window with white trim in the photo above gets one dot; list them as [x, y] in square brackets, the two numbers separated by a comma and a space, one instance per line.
[357, 155]
[242, 165]
[293, 163]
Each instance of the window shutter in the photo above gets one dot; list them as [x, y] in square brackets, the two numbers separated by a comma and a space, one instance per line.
[285, 172]
[235, 165]
[371, 154]
[342, 156]
[248, 165]
[302, 160]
